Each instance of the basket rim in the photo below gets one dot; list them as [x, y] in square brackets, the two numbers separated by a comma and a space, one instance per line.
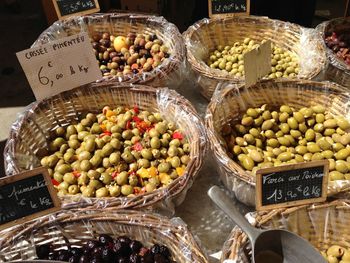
[213, 136]
[331, 56]
[172, 63]
[234, 240]
[132, 218]
[201, 68]
[150, 198]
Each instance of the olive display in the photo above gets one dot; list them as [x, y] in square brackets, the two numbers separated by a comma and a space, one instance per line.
[120, 151]
[336, 254]
[284, 63]
[135, 53]
[339, 43]
[265, 137]
[108, 250]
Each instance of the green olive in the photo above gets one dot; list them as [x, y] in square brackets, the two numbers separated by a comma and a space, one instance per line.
[122, 178]
[342, 154]
[327, 154]
[127, 190]
[335, 175]
[85, 165]
[318, 109]
[73, 189]
[267, 125]
[93, 174]
[256, 156]
[88, 192]
[69, 178]
[185, 159]
[64, 168]
[341, 166]
[342, 123]
[247, 163]
[309, 135]
[155, 143]
[114, 190]
[285, 156]
[247, 121]
[163, 167]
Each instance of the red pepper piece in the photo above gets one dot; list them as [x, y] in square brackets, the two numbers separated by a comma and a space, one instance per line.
[136, 109]
[178, 135]
[114, 174]
[137, 147]
[136, 119]
[105, 133]
[54, 182]
[76, 173]
[128, 125]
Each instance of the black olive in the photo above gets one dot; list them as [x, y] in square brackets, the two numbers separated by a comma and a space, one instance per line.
[43, 251]
[155, 249]
[105, 239]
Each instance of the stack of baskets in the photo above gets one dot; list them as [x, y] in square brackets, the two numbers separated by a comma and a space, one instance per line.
[230, 102]
[204, 36]
[337, 69]
[323, 225]
[166, 74]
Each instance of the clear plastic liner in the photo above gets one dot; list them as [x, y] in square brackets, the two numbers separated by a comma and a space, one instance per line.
[204, 36]
[30, 135]
[76, 227]
[229, 103]
[337, 70]
[322, 224]
[169, 73]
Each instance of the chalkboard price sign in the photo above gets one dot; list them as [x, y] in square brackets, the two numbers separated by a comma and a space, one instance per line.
[228, 7]
[26, 196]
[66, 8]
[291, 185]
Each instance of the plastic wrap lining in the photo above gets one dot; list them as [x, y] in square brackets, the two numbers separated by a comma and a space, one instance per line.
[30, 135]
[231, 101]
[168, 73]
[322, 224]
[205, 35]
[75, 228]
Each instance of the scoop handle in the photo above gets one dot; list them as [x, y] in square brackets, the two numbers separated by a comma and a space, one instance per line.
[226, 205]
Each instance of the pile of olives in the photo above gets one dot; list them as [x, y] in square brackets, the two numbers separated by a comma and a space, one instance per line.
[119, 55]
[120, 151]
[336, 254]
[266, 138]
[284, 63]
[108, 250]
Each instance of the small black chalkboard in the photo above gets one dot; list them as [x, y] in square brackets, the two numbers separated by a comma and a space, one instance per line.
[224, 7]
[65, 8]
[26, 196]
[290, 185]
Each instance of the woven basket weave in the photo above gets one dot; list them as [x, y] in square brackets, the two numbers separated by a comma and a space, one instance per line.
[30, 135]
[207, 34]
[322, 225]
[166, 74]
[337, 70]
[78, 227]
[229, 103]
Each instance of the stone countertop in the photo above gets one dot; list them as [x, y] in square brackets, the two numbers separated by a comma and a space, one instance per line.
[206, 221]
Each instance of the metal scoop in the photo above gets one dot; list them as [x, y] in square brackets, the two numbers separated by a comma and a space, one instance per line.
[268, 246]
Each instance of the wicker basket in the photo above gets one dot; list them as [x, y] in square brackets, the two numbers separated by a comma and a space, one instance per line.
[30, 133]
[230, 103]
[167, 74]
[322, 225]
[207, 34]
[337, 70]
[77, 227]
